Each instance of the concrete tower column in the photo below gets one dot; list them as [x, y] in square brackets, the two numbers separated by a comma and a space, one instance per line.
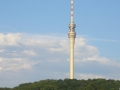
[72, 40]
[72, 36]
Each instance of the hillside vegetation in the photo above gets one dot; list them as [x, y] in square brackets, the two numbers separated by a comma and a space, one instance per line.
[67, 84]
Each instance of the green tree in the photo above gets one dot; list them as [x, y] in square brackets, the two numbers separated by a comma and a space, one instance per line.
[89, 87]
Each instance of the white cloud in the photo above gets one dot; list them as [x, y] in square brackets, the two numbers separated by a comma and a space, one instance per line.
[29, 53]
[0, 68]
[80, 42]
[29, 46]
[15, 64]
[62, 46]
[9, 39]
[2, 50]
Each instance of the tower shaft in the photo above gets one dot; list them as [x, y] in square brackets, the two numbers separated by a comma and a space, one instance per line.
[72, 35]
[72, 40]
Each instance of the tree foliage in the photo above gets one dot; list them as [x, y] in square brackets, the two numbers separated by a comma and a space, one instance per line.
[68, 84]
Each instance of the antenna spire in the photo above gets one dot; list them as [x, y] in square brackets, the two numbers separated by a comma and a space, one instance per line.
[72, 11]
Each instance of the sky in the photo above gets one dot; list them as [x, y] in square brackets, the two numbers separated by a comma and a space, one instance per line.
[34, 43]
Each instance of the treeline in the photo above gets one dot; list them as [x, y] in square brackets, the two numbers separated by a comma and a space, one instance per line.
[67, 84]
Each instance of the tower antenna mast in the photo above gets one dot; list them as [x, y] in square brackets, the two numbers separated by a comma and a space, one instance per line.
[72, 36]
[72, 11]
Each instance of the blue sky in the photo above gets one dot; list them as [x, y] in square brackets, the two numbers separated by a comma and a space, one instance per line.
[34, 43]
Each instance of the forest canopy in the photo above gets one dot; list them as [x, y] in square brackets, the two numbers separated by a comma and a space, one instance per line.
[68, 84]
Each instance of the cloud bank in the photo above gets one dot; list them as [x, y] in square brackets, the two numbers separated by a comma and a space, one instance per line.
[25, 58]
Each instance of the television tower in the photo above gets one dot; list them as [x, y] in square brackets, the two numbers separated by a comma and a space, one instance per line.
[72, 36]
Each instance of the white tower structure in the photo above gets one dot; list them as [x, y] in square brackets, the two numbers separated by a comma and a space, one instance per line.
[72, 36]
